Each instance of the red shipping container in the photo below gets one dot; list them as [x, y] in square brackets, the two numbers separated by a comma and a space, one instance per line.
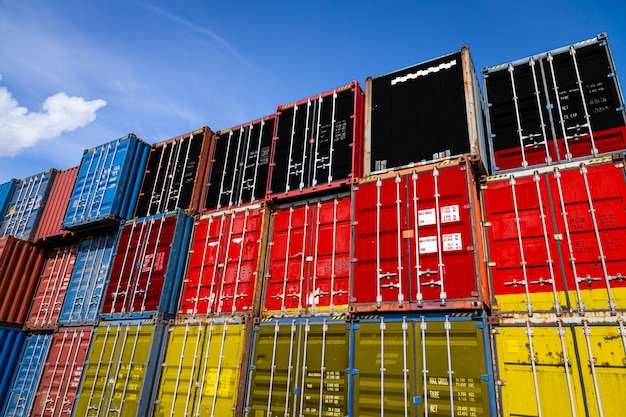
[417, 240]
[49, 229]
[227, 253]
[50, 293]
[62, 372]
[20, 268]
[308, 271]
[557, 238]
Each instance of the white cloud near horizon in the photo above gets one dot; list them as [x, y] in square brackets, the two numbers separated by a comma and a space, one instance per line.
[60, 113]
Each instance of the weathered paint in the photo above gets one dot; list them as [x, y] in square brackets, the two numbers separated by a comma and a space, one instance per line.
[120, 373]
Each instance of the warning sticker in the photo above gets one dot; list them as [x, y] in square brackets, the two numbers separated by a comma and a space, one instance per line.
[428, 244]
[426, 217]
[450, 214]
[452, 242]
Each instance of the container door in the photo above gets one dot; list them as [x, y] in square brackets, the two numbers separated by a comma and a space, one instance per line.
[380, 249]
[591, 206]
[523, 246]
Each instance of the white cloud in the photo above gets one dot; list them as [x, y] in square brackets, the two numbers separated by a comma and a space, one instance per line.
[21, 129]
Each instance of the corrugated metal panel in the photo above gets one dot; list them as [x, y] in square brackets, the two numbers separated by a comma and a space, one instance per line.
[204, 369]
[557, 238]
[49, 230]
[85, 289]
[26, 206]
[175, 174]
[239, 164]
[6, 192]
[20, 267]
[120, 373]
[148, 267]
[423, 365]
[318, 144]
[417, 242]
[562, 368]
[308, 269]
[227, 251]
[107, 184]
[11, 347]
[62, 372]
[22, 392]
[48, 298]
[298, 367]
[555, 106]
[425, 112]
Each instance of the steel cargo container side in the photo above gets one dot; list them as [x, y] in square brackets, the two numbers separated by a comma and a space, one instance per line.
[50, 293]
[62, 371]
[26, 205]
[299, 367]
[21, 263]
[22, 392]
[49, 231]
[147, 267]
[555, 106]
[417, 242]
[174, 175]
[107, 185]
[318, 144]
[227, 253]
[204, 369]
[120, 372]
[425, 112]
[414, 365]
[12, 341]
[90, 275]
[308, 268]
[239, 165]
[6, 192]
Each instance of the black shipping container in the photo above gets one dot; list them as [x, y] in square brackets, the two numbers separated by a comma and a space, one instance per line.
[423, 113]
[318, 145]
[239, 164]
[174, 174]
[555, 106]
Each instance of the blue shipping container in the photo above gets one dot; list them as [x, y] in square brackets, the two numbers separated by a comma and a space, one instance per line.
[26, 381]
[148, 267]
[11, 347]
[90, 274]
[6, 192]
[26, 205]
[107, 184]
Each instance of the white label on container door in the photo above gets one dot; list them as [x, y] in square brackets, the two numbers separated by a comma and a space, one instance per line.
[428, 244]
[452, 242]
[450, 214]
[426, 217]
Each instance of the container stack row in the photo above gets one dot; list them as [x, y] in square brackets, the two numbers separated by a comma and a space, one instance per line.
[415, 249]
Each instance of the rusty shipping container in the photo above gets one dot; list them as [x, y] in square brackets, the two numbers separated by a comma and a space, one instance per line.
[425, 112]
[107, 185]
[175, 174]
[121, 370]
[148, 266]
[417, 240]
[204, 368]
[12, 342]
[555, 106]
[26, 205]
[50, 293]
[569, 366]
[226, 256]
[49, 230]
[62, 370]
[239, 165]
[308, 268]
[556, 238]
[318, 144]
[85, 290]
[21, 263]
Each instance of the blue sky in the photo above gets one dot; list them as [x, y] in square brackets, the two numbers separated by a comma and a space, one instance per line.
[76, 74]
